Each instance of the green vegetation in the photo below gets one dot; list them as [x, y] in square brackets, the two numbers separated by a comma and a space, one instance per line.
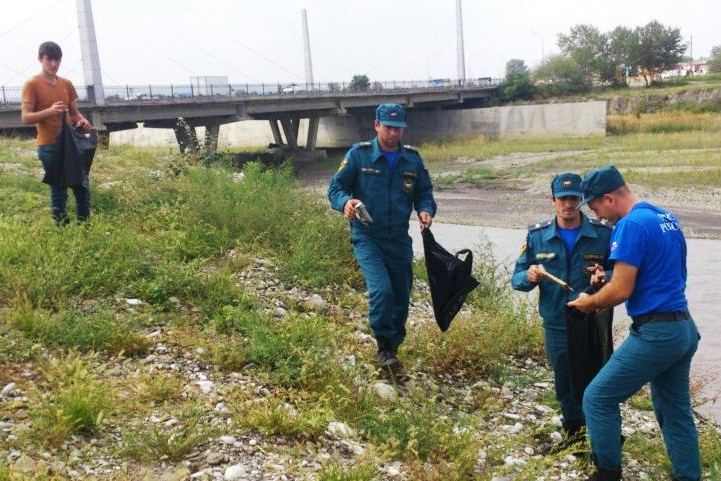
[646, 147]
[209, 258]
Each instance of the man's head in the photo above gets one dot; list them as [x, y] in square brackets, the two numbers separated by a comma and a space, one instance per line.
[606, 193]
[50, 55]
[389, 124]
[566, 194]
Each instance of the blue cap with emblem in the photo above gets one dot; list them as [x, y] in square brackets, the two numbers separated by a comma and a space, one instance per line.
[392, 115]
[566, 184]
[598, 182]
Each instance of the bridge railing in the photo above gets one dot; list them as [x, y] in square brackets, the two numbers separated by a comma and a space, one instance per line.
[137, 93]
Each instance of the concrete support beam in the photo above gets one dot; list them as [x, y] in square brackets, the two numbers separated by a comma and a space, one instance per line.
[186, 137]
[89, 52]
[277, 138]
[312, 133]
[211, 137]
[290, 132]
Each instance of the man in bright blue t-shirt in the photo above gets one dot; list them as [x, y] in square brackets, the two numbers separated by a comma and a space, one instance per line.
[649, 250]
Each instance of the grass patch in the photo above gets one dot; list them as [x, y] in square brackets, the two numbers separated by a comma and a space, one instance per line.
[71, 400]
[334, 471]
[96, 329]
[660, 123]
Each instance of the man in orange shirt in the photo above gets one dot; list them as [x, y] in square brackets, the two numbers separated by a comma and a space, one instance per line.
[46, 97]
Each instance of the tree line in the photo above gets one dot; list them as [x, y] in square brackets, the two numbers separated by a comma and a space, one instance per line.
[589, 57]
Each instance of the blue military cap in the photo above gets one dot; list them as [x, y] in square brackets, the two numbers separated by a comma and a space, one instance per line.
[392, 115]
[601, 181]
[566, 184]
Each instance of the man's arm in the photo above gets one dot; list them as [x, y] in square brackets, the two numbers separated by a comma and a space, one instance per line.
[520, 280]
[77, 118]
[616, 291]
[340, 190]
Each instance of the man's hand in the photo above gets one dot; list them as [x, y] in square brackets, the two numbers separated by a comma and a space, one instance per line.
[83, 124]
[584, 303]
[534, 273]
[57, 108]
[426, 220]
[349, 209]
[598, 276]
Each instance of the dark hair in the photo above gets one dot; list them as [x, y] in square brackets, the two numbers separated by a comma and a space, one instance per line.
[51, 50]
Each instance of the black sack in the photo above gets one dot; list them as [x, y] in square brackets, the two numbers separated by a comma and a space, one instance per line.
[70, 166]
[590, 345]
[449, 277]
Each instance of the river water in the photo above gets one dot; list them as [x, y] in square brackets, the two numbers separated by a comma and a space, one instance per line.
[704, 265]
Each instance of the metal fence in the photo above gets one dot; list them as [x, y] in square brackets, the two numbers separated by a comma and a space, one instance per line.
[139, 93]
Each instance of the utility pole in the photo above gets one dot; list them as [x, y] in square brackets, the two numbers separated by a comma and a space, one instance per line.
[89, 52]
[460, 56]
[306, 49]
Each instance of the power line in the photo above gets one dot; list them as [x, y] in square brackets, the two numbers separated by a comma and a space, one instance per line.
[31, 18]
[197, 45]
[34, 63]
[250, 49]
[152, 45]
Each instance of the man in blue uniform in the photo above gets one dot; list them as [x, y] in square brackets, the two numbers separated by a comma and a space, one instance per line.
[569, 246]
[649, 253]
[390, 180]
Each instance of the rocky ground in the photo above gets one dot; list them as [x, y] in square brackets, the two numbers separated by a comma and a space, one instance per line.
[239, 454]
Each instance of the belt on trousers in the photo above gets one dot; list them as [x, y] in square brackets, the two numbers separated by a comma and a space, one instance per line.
[661, 317]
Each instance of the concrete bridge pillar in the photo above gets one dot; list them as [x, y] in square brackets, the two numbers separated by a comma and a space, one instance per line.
[291, 132]
[312, 133]
[211, 137]
[186, 136]
[277, 138]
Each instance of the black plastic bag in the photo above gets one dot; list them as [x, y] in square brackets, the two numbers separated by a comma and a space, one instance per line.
[449, 277]
[70, 166]
[590, 345]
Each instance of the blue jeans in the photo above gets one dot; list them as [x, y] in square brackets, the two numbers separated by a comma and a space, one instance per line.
[659, 353]
[59, 195]
[388, 272]
[557, 352]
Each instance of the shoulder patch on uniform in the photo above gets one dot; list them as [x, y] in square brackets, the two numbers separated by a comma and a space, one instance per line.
[343, 164]
[602, 222]
[411, 148]
[539, 225]
[360, 145]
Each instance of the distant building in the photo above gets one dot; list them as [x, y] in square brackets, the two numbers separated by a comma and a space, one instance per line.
[696, 67]
[210, 85]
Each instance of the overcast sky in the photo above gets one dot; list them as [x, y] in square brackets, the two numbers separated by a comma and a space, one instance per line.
[167, 41]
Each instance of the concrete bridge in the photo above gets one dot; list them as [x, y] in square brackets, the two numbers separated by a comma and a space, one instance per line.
[162, 107]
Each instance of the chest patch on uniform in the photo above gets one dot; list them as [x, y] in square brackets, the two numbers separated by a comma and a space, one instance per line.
[343, 164]
[594, 257]
[370, 170]
[545, 255]
[409, 174]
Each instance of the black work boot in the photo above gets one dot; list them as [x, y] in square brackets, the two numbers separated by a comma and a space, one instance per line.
[387, 358]
[606, 475]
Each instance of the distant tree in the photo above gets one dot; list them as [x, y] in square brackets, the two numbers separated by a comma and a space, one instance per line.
[561, 75]
[588, 47]
[660, 48]
[624, 53]
[359, 83]
[714, 63]
[516, 66]
[517, 85]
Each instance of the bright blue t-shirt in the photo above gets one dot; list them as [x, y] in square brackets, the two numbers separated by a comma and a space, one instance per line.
[651, 239]
[569, 236]
[392, 158]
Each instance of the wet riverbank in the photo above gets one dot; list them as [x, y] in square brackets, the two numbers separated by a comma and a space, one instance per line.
[704, 262]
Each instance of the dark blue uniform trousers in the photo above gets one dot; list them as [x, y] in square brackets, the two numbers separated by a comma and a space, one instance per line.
[387, 268]
[659, 353]
[557, 352]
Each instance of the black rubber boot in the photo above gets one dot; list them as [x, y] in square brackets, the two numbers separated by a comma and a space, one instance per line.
[387, 358]
[606, 475]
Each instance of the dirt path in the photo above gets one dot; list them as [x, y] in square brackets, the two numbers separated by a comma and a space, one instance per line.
[502, 206]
